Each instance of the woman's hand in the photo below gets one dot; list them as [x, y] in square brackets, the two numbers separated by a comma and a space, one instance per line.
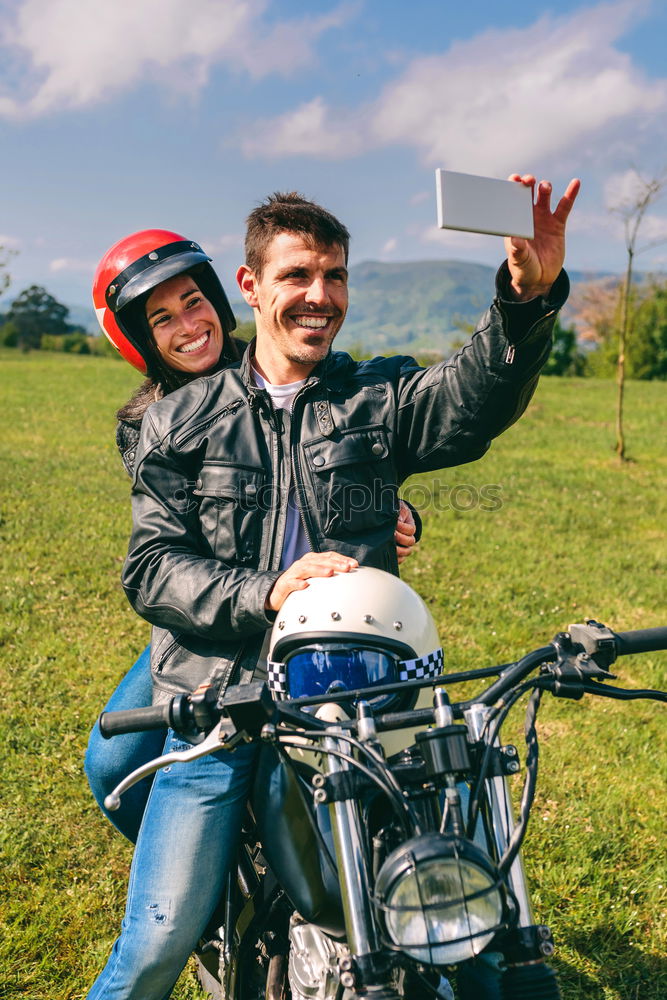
[405, 532]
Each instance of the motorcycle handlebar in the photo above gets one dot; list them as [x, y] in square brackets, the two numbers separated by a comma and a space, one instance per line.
[135, 720]
[163, 715]
[643, 640]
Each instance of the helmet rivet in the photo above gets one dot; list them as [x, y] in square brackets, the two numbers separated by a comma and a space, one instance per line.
[302, 619]
[368, 619]
[112, 289]
[335, 616]
[152, 255]
[281, 625]
[398, 626]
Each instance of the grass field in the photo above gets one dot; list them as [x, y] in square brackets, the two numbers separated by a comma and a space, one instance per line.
[575, 535]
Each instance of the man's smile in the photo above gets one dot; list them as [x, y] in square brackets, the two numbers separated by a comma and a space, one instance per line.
[311, 322]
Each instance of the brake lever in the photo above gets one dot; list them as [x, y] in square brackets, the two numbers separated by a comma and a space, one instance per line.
[223, 737]
[572, 671]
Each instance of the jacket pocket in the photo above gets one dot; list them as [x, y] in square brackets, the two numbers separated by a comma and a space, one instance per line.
[181, 661]
[353, 480]
[230, 510]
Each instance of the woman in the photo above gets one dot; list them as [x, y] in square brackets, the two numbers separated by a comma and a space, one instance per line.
[171, 348]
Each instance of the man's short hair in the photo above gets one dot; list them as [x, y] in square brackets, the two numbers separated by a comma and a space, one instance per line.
[290, 212]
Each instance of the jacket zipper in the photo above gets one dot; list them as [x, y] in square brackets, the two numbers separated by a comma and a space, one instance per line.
[164, 656]
[276, 458]
[299, 491]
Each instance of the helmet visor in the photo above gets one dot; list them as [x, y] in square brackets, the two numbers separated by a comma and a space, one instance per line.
[333, 669]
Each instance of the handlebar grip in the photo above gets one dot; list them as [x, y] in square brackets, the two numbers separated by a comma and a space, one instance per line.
[643, 640]
[135, 720]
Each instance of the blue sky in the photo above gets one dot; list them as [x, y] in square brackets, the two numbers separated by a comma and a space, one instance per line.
[119, 116]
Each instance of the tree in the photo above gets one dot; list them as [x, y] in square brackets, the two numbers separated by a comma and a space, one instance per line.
[5, 279]
[35, 312]
[565, 357]
[632, 210]
[648, 357]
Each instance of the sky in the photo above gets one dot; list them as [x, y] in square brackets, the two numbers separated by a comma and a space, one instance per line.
[135, 114]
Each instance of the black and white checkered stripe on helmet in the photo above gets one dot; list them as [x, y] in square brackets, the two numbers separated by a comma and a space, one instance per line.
[430, 665]
[277, 678]
[420, 668]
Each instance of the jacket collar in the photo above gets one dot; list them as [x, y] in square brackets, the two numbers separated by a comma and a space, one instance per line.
[328, 371]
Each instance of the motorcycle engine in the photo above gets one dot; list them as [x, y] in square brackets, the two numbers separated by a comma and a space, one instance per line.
[313, 962]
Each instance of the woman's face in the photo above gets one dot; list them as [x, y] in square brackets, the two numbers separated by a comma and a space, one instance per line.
[185, 326]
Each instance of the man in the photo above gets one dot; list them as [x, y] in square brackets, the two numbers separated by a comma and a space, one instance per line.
[248, 482]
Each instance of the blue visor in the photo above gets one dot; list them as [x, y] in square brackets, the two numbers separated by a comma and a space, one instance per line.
[327, 671]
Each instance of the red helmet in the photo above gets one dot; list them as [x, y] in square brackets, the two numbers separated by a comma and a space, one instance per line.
[136, 265]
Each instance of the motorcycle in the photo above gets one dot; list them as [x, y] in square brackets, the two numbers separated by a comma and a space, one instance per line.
[374, 868]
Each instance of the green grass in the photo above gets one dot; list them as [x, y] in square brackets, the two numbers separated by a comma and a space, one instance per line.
[577, 535]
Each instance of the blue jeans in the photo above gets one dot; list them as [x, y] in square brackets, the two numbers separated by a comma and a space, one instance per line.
[108, 761]
[187, 843]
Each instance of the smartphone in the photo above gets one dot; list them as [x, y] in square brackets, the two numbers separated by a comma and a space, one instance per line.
[483, 205]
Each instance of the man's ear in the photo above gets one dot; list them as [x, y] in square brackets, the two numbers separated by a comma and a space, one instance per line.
[247, 283]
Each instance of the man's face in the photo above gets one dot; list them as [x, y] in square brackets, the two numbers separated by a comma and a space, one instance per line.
[300, 303]
[185, 326]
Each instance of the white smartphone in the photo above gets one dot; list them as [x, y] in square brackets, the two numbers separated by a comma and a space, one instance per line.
[483, 205]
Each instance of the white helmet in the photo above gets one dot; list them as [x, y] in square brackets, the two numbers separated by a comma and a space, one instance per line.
[352, 630]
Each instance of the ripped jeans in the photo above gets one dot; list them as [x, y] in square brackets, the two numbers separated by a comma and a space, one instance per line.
[187, 842]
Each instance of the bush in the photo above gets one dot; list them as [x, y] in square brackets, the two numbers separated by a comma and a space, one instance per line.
[9, 335]
[51, 342]
[101, 347]
[76, 343]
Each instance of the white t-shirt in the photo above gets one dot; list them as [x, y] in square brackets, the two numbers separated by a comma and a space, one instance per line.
[295, 543]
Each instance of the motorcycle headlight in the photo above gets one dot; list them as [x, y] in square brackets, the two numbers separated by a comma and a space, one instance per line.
[440, 899]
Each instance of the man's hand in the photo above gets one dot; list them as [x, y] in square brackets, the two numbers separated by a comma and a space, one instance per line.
[404, 535]
[535, 264]
[296, 577]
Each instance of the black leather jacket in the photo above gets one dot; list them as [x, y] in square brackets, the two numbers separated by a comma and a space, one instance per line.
[215, 460]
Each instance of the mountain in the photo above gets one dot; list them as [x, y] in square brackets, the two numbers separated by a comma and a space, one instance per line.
[420, 307]
[414, 307]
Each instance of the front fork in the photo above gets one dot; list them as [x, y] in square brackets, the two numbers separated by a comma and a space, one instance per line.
[528, 944]
[501, 815]
[367, 971]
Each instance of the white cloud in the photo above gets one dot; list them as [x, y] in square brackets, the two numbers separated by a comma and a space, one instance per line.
[498, 101]
[223, 244]
[653, 231]
[9, 242]
[72, 264]
[312, 129]
[622, 190]
[389, 246]
[75, 53]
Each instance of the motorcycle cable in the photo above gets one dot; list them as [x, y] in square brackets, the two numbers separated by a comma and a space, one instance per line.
[530, 783]
[376, 758]
[395, 795]
[532, 756]
[624, 694]
[406, 815]
[492, 726]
